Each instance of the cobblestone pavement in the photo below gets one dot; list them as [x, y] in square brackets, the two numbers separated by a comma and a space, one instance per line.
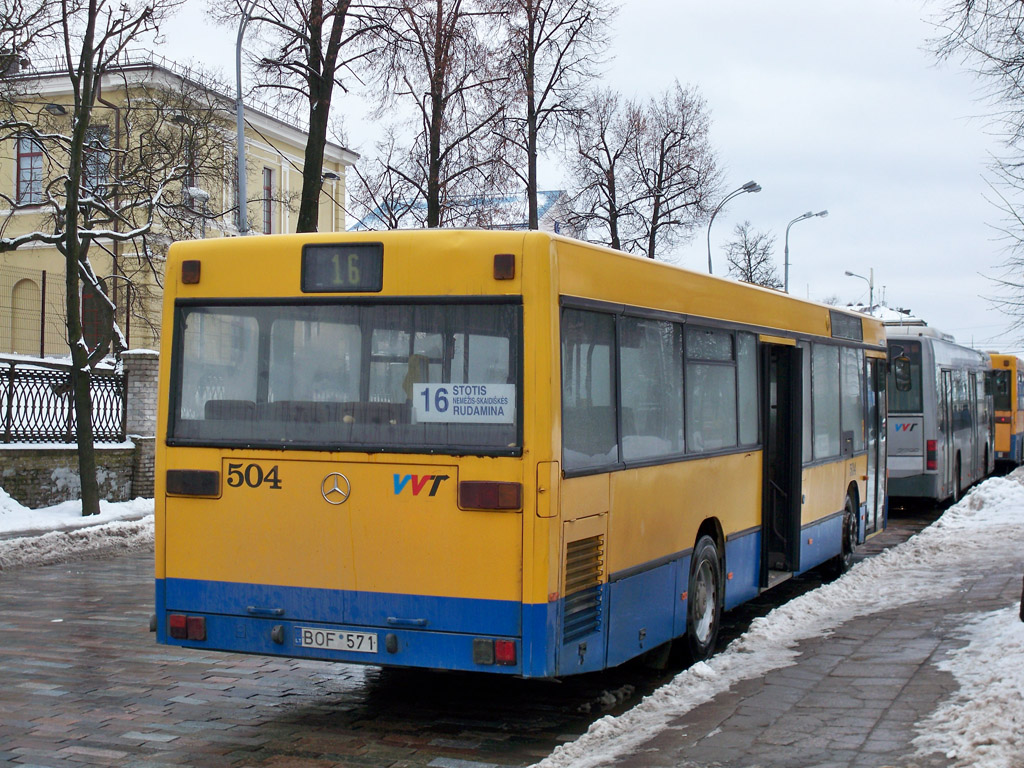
[82, 682]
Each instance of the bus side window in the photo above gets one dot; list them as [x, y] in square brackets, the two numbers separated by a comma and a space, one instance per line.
[589, 432]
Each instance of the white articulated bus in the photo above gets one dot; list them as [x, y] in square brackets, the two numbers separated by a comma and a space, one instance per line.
[941, 420]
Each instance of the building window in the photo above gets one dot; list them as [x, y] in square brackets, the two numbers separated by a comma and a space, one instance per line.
[96, 162]
[30, 171]
[268, 201]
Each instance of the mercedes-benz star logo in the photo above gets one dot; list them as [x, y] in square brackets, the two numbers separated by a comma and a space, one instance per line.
[336, 488]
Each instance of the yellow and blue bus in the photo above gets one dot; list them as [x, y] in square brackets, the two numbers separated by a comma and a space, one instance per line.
[507, 452]
[1008, 402]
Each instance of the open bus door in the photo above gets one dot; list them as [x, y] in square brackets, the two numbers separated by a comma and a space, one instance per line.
[876, 428]
[783, 426]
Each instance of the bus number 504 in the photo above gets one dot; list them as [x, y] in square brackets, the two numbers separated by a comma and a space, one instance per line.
[253, 476]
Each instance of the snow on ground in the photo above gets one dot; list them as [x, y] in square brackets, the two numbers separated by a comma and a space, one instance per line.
[983, 724]
[982, 727]
[60, 533]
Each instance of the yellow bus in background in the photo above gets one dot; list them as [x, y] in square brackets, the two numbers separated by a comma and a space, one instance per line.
[1008, 402]
[508, 452]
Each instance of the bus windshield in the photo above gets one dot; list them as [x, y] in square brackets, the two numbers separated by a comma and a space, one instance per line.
[431, 377]
[905, 377]
[1001, 390]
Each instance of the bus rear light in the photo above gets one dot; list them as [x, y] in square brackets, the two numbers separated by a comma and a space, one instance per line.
[1002, 419]
[485, 494]
[931, 455]
[505, 652]
[193, 482]
[196, 627]
[182, 627]
[190, 271]
[504, 266]
[487, 651]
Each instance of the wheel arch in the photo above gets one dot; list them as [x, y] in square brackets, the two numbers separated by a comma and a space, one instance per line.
[712, 528]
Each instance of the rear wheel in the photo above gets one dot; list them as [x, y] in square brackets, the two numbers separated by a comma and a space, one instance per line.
[704, 600]
[958, 488]
[843, 562]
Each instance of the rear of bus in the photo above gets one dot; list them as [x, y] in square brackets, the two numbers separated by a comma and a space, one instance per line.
[1009, 415]
[341, 470]
[912, 451]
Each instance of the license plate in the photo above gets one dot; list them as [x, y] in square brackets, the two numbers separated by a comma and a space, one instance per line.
[335, 640]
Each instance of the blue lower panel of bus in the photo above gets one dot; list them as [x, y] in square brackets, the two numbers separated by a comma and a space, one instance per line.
[406, 630]
[636, 612]
[648, 608]
[822, 540]
[441, 614]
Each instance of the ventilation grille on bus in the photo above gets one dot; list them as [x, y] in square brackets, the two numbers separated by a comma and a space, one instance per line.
[583, 564]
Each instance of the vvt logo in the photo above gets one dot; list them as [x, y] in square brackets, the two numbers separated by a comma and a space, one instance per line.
[417, 483]
[905, 427]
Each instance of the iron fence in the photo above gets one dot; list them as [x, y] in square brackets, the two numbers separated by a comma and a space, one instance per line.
[37, 403]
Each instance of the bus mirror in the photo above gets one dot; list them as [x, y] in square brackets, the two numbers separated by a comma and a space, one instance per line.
[901, 373]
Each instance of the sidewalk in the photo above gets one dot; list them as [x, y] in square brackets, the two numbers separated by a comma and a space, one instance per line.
[853, 699]
[912, 660]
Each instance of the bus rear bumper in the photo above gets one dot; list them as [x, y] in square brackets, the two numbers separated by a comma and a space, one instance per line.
[397, 642]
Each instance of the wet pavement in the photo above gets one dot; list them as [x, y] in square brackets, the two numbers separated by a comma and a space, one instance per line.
[82, 682]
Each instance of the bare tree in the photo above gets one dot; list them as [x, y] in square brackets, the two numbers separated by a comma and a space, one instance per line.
[677, 169]
[988, 36]
[605, 191]
[102, 189]
[434, 62]
[645, 171]
[379, 196]
[306, 48]
[750, 257]
[552, 50]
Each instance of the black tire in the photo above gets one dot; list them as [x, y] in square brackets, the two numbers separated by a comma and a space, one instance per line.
[958, 487]
[705, 599]
[843, 562]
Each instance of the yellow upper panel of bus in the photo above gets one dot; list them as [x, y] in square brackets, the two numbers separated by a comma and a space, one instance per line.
[1001, 361]
[447, 262]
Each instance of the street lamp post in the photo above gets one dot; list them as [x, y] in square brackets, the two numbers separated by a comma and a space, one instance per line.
[801, 217]
[750, 186]
[871, 287]
[201, 196]
[243, 208]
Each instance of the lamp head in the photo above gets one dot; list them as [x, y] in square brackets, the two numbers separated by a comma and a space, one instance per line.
[198, 195]
[823, 214]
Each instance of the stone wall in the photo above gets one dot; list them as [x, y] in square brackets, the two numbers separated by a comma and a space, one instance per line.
[44, 476]
[40, 476]
[141, 368]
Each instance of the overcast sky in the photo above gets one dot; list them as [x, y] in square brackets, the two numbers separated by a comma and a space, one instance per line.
[832, 105]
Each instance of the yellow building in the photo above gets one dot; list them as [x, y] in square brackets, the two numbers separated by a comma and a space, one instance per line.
[162, 150]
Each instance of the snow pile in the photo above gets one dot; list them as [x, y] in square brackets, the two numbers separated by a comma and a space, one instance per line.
[60, 533]
[984, 529]
[983, 725]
